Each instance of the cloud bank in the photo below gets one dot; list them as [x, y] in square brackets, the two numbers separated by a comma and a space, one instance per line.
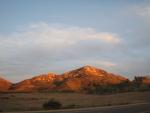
[42, 47]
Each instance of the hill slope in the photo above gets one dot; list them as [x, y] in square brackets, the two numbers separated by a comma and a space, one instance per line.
[41, 82]
[88, 76]
[4, 84]
[84, 79]
[75, 80]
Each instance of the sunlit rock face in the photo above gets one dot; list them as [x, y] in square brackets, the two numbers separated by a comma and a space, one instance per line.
[41, 82]
[44, 78]
[4, 84]
[85, 71]
[87, 76]
[75, 80]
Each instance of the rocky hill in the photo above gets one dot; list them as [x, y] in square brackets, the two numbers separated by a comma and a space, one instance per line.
[78, 80]
[4, 84]
[75, 80]
[41, 82]
[88, 76]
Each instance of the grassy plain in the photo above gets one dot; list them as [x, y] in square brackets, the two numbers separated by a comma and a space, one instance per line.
[34, 101]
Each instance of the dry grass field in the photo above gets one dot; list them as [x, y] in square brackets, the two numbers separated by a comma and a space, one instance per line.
[34, 101]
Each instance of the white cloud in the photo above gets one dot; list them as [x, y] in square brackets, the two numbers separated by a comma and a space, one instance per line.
[49, 36]
[105, 64]
[99, 62]
[109, 64]
[143, 11]
[40, 47]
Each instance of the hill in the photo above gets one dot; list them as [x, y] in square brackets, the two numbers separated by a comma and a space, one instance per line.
[4, 84]
[41, 82]
[75, 80]
[85, 79]
[88, 76]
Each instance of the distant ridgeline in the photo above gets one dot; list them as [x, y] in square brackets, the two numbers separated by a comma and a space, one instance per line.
[86, 79]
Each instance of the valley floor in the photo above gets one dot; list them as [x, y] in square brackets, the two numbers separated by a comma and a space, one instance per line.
[34, 101]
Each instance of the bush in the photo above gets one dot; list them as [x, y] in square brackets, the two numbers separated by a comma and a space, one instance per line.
[52, 104]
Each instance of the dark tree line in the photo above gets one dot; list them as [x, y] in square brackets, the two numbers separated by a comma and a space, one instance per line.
[127, 86]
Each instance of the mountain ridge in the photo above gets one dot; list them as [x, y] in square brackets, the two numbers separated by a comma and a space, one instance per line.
[75, 80]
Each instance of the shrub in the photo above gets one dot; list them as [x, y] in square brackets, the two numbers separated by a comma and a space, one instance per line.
[52, 104]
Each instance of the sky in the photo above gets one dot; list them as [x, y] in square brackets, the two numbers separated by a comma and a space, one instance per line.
[42, 36]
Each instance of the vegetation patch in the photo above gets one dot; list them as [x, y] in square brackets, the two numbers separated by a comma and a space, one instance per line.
[52, 104]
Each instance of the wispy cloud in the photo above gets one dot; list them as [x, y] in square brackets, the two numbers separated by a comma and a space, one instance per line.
[143, 11]
[46, 35]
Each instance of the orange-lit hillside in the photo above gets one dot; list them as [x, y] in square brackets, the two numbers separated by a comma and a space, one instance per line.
[4, 84]
[78, 80]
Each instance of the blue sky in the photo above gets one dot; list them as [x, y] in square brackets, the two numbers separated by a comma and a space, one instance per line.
[100, 14]
[41, 36]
